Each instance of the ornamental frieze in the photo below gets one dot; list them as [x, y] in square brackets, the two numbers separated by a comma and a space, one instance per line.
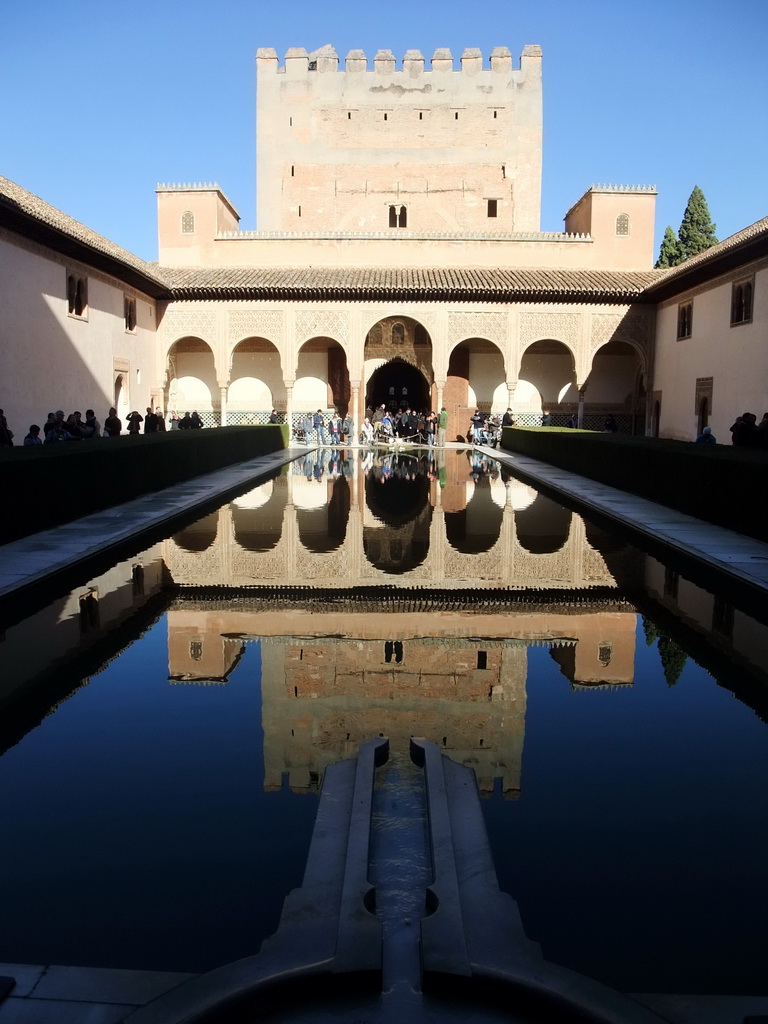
[249, 567]
[632, 328]
[492, 326]
[322, 323]
[550, 326]
[256, 323]
[184, 323]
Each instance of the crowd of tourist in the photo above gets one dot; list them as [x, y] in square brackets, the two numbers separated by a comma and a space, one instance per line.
[77, 427]
[746, 432]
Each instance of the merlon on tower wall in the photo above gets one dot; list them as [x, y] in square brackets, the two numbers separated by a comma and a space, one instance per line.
[378, 148]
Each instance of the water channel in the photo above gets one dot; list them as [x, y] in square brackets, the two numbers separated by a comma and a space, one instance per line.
[165, 725]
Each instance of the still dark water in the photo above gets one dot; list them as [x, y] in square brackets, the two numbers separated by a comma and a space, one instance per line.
[157, 796]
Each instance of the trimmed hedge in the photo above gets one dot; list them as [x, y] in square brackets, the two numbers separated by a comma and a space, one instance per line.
[55, 483]
[717, 483]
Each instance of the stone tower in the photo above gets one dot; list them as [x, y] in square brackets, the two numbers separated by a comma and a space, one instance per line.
[421, 150]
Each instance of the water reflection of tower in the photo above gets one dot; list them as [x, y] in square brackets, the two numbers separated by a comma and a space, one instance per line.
[338, 671]
[322, 698]
[331, 678]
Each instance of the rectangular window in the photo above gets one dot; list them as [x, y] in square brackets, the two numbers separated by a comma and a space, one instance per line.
[77, 296]
[722, 617]
[671, 583]
[493, 207]
[684, 320]
[741, 301]
[129, 314]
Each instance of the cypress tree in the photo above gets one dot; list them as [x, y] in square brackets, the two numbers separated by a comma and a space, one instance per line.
[649, 628]
[670, 252]
[697, 232]
[673, 659]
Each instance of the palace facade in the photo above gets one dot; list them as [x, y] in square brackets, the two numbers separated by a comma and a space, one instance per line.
[398, 260]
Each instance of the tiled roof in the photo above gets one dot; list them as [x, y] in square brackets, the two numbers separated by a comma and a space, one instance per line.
[747, 244]
[26, 213]
[373, 283]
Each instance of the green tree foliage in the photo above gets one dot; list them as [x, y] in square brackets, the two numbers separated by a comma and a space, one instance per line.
[651, 632]
[697, 232]
[673, 659]
[670, 252]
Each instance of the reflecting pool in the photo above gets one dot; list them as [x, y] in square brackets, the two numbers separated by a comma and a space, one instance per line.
[166, 725]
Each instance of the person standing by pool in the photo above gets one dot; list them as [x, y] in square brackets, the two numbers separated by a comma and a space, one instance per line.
[349, 428]
[135, 419]
[113, 425]
[319, 424]
[442, 426]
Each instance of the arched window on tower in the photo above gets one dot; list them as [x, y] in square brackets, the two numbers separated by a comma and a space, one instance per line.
[398, 217]
[622, 224]
[398, 334]
[187, 223]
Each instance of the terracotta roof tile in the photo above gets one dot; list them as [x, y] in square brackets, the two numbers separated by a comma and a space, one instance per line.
[18, 206]
[436, 283]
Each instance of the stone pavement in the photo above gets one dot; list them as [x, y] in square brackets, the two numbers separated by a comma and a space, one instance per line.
[80, 995]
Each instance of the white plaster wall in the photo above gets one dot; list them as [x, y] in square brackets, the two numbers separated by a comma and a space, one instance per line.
[264, 366]
[486, 374]
[548, 373]
[195, 383]
[249, 394]
[188, 393]
[735, 357]
[612, 379]
[50, 360]
[527, 397]
[311, 365]
[309, 393]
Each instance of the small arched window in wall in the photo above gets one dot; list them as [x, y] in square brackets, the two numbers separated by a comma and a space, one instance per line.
[77, 296]
[187, 223]
[398, 217]
[622, 224]
[398, 334]
[129, 313]
[604, 653]
[741, 302]
[684, 320]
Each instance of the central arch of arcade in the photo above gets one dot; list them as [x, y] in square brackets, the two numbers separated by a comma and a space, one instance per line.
[236, 360]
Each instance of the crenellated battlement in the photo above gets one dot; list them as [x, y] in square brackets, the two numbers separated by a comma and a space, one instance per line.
[639, 189]
[424, 144]
[298, 61]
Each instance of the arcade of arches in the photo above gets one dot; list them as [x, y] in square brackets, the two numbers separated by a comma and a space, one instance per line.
[584, 363]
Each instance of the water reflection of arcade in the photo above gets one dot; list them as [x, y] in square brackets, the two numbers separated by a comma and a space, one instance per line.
[340, 667]
[428, 522]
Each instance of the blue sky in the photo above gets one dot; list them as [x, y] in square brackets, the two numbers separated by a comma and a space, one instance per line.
[101, 101]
